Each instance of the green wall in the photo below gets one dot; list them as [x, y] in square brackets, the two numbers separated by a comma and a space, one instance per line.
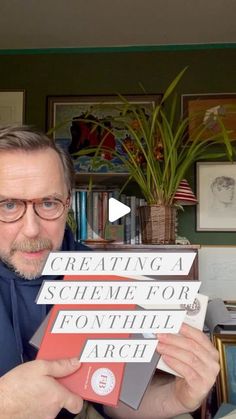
[41, 74]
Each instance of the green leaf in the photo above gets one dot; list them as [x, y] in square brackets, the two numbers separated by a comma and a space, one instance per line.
[173, 85]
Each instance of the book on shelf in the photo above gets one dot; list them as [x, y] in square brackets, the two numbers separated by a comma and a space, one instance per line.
[127, 222]
[95, 215]
[116, 195]
[133, 220]
[104, 210]
[83, 214]
[89, 216]
[101, 213]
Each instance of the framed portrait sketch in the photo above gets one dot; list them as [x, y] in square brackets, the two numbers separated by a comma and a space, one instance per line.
[226, 380]
[216, 194]
[206, 108]
[12, 107]
[75, 135]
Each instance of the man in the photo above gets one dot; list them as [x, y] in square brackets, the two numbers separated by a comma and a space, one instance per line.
[35, 186]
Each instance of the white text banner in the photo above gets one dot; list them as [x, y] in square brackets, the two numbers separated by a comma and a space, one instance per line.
[119, 263]
[118, 292]
[122, 350]
[118, 321]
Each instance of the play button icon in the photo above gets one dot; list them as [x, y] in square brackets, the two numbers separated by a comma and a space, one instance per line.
[116, 209]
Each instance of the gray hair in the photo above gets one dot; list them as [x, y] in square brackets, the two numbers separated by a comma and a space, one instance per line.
[27, 139]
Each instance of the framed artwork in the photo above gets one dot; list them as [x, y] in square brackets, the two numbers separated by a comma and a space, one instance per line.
[216, 194]
[12, 107]
[76, 135]
[205, 108]
[217, 272]
[226, 380]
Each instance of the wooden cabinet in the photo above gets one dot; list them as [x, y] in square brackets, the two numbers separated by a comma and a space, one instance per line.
[115, 247]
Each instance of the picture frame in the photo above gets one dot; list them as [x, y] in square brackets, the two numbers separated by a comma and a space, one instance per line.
[12, 107]
[225, 343]
[205, 108]
[217, 271]
[61, 110]
[216, 194]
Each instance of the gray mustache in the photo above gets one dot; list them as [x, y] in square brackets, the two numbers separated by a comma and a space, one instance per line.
[32, 245]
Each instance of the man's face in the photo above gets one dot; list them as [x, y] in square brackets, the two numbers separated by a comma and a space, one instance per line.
[26, 243]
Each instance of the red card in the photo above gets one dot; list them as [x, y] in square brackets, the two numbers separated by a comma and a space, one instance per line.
[98, 382]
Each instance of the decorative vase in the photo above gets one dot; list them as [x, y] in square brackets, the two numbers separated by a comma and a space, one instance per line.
[158, 224]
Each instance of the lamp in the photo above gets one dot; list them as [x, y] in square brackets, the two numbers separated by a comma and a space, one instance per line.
[184, 194]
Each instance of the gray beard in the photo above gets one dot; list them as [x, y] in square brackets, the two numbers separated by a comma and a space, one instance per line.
[28, 245]
[21, 274]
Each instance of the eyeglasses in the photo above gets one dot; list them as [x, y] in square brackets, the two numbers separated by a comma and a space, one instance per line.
[47, 208]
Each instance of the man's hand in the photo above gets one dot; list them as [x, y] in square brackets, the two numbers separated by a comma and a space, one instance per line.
[31, 391]
[191, 355]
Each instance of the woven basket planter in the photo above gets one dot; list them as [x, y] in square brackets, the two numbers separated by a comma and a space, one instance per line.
[158, 224]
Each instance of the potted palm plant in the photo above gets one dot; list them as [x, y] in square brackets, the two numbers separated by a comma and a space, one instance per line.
[158, 154]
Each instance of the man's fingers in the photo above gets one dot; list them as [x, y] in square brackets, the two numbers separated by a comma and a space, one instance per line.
[198, 359]
[58, 368]
[72, 402]
[198, 336]
[192, 339]
[190, 354]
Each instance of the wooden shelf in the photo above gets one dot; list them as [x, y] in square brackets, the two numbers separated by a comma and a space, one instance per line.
[193, 273]
[143, 247]
[106, 179]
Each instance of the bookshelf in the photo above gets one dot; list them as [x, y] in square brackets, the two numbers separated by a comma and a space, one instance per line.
[90, 208]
